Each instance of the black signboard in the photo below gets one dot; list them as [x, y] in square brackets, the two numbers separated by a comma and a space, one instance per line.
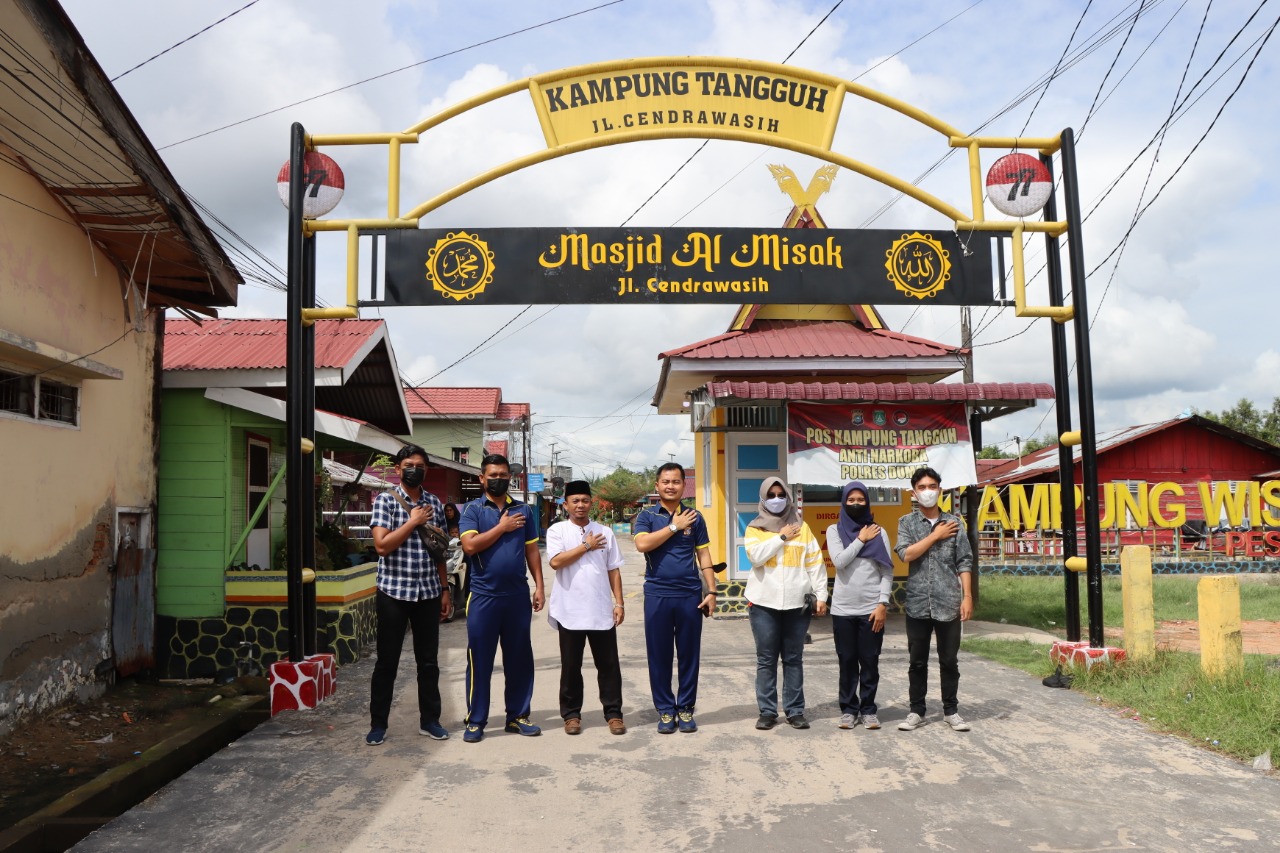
[523, 266]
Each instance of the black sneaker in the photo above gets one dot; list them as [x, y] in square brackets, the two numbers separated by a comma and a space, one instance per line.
[766, 722]
[798, 722]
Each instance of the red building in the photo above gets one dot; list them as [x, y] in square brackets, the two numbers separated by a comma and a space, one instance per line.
[1189, 487]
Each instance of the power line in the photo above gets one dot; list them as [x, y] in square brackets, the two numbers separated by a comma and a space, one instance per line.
[705, 142]
[184, 41]
[308, 100]
[897, 52]
[1053, 75]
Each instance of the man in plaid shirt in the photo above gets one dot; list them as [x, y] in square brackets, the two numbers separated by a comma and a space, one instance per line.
[412, 591]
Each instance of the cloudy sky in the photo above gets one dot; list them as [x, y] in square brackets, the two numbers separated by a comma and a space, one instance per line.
[1184, 315]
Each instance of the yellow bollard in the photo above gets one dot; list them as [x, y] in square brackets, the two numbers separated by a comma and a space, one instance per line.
[1139, 614]
[1221, 647]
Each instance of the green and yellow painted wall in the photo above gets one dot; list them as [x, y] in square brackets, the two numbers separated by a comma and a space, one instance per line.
[216, 616]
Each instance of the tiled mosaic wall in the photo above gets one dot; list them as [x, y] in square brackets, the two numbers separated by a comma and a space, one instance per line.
[1184, 567]
[248, 640]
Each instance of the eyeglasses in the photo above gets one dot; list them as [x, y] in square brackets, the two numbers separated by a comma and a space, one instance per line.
[409, 468]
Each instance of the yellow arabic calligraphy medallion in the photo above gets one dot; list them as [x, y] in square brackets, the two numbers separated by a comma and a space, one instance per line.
[460, 265]
[918, 265]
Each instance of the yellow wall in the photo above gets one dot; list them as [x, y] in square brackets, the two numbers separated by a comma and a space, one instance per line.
[713, 515]
[56, 539]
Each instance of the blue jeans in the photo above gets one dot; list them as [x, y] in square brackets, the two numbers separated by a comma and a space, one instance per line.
[779, 633]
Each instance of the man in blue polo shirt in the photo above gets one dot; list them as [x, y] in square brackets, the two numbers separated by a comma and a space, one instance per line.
[674, 541]
[500, 538]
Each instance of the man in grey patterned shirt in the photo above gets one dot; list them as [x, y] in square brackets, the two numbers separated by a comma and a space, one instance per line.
[939, 596]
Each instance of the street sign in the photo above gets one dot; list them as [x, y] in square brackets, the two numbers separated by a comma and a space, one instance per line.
[536, 482]
[678, 266]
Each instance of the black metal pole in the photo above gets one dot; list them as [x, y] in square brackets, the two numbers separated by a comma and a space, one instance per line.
[971, 509]
[309, 432]
[1062, 393]
[295, 399]
[1084, 386]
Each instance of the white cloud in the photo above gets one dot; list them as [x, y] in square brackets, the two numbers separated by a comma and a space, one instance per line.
[1184, 322]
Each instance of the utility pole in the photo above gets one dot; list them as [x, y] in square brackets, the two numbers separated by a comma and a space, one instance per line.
[975, 436]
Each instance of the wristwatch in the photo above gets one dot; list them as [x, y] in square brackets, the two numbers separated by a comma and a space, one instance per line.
[672, 527]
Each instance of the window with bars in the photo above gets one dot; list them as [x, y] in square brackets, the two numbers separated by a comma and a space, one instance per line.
[39, 398]
[766, 418]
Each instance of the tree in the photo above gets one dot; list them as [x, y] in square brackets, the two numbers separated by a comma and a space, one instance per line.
[1031, 445]
[1245, 417]
[621, 488]
[991, 451]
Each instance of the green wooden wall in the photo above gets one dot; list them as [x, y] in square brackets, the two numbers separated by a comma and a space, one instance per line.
[192, 524]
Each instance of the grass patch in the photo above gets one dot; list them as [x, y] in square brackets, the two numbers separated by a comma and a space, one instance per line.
[1039, 602]
[1238, 715]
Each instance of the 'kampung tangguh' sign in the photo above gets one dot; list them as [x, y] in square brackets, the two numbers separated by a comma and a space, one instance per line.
[701, 98]
[522, 266]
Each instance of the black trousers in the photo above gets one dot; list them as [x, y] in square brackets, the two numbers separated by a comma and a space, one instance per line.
[858, 650]
[604, 651]
[394, 616]
[919, 632]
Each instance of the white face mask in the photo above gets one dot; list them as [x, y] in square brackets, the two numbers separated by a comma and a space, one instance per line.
[775, 505]
[928, 498]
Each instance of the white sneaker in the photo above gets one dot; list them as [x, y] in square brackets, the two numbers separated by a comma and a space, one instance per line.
[911, 723]
[870, 721]
[848, 721]
[956, 722]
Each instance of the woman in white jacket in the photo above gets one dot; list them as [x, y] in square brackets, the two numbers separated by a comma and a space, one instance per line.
[786, 565]
[859, 603]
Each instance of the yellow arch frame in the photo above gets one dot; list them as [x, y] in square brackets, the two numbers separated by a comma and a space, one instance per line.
[974, 221]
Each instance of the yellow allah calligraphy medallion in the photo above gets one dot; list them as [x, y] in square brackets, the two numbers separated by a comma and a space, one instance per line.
[460, 265]
[918, 265]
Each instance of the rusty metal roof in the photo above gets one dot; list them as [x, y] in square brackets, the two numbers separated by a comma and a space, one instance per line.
[69, 127]
[1045, 460]
[808, 339]
[989, 393]
[259, 344]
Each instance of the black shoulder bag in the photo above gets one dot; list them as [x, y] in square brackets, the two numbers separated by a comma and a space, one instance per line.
[433, 538]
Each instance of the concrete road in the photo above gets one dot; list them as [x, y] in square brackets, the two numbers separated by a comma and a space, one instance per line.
[1042, 770]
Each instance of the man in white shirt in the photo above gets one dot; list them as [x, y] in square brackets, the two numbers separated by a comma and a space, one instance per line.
[586, 607]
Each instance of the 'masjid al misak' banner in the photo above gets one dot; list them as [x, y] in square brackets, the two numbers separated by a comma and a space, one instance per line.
[879, 444]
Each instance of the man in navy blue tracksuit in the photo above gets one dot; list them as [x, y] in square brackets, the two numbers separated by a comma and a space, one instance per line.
[500, 538]
[674, 541]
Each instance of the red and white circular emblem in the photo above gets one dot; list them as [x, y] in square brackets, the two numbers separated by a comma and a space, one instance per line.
[1018, 184]
[323, 181]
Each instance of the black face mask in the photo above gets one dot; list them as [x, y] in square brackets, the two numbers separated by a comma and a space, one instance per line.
[859, 513]
[497, 488]
[412, 477]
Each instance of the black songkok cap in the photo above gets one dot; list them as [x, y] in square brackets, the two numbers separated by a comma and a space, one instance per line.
[577, 487]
